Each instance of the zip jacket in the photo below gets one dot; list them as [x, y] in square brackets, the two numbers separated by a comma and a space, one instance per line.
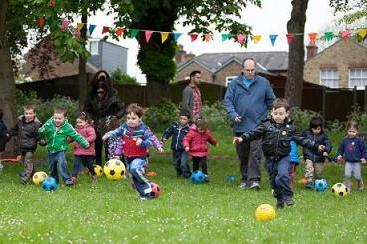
[321, 139]
[178, 133]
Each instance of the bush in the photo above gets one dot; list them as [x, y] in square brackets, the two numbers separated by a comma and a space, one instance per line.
[160, 116]
[45, 108]
[302, 117]
[122, 78]
[216, 116]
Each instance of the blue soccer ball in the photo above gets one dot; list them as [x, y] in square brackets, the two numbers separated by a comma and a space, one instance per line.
[198, 177]
[321, 185]
[49, 184]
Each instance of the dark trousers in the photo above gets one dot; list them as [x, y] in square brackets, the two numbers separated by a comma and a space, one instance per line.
[279, 177]
[99, 144]
[180, 162]
[199, 161]
[249, 154]
[83, 160]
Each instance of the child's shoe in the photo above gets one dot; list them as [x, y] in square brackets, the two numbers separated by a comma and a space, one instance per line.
[309, 185]
[280, 204]
[74, 180]
[206, 178]
[69, 182]
[360, 185]
[94, 178]
[288, 200]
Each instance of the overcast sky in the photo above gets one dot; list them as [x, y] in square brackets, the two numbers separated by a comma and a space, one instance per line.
[270, 19]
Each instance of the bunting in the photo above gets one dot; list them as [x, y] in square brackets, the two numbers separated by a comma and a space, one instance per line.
[65, 25]
[176, 36]
[241, 38]
[91, 29]
[362, 33]
[79, 26]
[312, 38]
[148, 35]
[119, 31]
[194, 36]
[164, 36]
[273, 37]
[105, 29]
[256, 38]
[225, 36]
[133, 32]
[346, 34]
[290, 37]
[328, 36]
[208, 37]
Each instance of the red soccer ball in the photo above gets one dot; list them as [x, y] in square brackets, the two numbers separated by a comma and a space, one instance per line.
[156, 190]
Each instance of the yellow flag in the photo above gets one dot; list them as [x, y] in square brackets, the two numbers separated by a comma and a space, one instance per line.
[164, 36]
[362, 32]
[80, 26]
[256, 38]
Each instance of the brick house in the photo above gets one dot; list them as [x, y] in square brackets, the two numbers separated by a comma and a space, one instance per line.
[221, 68]
[342, 65]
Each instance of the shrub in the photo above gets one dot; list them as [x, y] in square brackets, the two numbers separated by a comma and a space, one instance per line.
[216, 116]
[160, 116]
[122, 78]
[302, 117]
[45, 108]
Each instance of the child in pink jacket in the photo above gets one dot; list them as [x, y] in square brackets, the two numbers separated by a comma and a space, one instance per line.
[84, 156]
[196, 143]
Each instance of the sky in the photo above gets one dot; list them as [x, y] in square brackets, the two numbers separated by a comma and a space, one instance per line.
[270, 19]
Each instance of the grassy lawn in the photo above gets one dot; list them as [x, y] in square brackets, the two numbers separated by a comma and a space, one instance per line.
[218, 212]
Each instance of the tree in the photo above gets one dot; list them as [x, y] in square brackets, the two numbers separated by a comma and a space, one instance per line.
[355, 10]
[156, 58]
[296, 24]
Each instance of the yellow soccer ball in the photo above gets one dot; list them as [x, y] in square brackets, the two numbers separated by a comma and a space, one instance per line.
[265, 212]
[98, 170]
[340, 190]
[39, 177]
[114, 169]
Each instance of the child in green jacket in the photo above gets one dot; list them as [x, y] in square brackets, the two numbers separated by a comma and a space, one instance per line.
[56, 132]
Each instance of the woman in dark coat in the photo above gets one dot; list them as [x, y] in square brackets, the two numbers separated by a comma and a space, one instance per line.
[102, 101]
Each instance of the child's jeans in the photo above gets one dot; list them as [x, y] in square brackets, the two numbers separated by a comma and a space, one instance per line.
[136, 167]
[180, 162]
[279, 177]
[58, 166]
[293, 173]
[197, 161]
[27, 159]
[83, 160]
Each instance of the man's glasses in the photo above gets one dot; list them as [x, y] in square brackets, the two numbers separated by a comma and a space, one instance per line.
[100, 92]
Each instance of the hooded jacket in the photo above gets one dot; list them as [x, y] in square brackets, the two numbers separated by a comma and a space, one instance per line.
[198, 142]
[27, 133]
[57, 138]
[89, 134]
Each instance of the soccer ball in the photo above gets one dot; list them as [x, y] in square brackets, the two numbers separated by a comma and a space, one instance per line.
[98, 170]
[114, 169]
[39, 177]
[198, 177]
[340, 190]
[49, 184]
[321, 185]
[265, 212]
[156, 190]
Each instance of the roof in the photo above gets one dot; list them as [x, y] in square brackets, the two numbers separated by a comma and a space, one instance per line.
[267, 61]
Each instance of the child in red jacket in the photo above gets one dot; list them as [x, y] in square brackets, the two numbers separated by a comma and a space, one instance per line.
[196, 143]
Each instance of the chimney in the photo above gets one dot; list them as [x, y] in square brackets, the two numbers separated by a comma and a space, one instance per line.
[182, 56]
[311, 51]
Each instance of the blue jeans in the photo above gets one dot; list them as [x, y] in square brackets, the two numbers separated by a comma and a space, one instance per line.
[180, 162]
[279, 177]
[137, 170]
[79, 161]
[58, 165]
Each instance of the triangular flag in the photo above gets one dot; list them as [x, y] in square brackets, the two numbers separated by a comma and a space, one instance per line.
[80, 26]
[290, 37]
[176, 36]
[91, 29]
[208, 37]
[164, 36]
[328, 36]
[41, 21]
[119, 31]
[194, 36]
[133, 32]
[65, 25]
[273, 37]
[256, 38]
[346, 34]
[148, 35]
[312, 36]
[241, 38]
[105, 29]
[225, 36]
[362, 32]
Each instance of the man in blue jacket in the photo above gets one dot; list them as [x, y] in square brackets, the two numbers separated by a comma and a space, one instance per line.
[247, 100]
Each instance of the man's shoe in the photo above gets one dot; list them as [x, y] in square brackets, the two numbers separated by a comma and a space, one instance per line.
[255, 185]
[288, 201]
[309, 185]
[243, 185]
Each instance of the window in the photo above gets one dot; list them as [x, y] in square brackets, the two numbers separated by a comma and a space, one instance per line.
[93, 47]
[329, 78]
[229, 79]
[358, 78]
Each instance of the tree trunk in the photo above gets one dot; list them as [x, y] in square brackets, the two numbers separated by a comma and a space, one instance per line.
[82, 78]
[296, 24]
[7, 84]
[157, 90]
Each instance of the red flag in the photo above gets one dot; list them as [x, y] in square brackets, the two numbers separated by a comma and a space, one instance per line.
[290, 37]
[105, 29]
[208, 37]
[312, 36]
[148, 35]
[241, 38]
[194, 36]
[119, 31]
[346, 34]
[41, 21]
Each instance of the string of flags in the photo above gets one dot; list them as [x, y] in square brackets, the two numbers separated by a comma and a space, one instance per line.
[207, 37]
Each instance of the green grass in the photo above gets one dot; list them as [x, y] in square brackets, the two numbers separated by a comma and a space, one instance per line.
[218, 212]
